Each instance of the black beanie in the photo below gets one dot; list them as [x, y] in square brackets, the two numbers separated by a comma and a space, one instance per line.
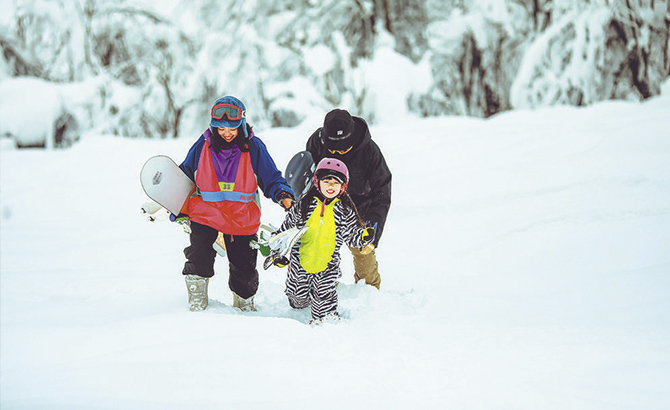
[338, 125]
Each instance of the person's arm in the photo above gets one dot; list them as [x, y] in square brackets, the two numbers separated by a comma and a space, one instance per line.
[352, 233]
[380, 192]
[190, 164]
[290, 220]
[269, 178]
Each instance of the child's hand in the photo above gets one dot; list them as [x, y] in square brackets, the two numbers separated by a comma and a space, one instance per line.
[369, 234]
[280, 262]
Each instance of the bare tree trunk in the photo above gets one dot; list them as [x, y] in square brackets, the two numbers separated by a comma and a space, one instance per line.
[387, 15]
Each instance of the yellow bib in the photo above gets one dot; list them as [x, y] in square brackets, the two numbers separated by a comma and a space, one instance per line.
[318, 243]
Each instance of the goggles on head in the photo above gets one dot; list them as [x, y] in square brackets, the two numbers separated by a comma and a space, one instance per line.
[233, 112]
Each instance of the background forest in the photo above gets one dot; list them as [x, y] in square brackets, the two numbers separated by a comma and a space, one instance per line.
[152, 69]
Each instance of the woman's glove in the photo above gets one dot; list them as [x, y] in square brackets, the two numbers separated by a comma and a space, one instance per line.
[285, 200]
[183, 220]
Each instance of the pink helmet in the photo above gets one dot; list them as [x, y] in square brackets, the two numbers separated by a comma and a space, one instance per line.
[331, 167]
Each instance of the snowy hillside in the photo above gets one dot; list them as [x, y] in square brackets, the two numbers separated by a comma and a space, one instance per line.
[525, 265]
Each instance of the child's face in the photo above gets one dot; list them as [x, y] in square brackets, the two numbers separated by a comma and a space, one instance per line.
[227, 134]
[330, 187]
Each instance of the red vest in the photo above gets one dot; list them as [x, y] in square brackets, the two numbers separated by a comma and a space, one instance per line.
[226, 207]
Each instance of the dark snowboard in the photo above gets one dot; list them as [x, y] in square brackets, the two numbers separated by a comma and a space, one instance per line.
[299, 172]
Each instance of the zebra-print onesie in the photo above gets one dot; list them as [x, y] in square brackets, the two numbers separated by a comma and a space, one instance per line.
[319, 289]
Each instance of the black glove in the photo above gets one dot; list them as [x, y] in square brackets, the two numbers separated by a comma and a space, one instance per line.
[282, 261]
[369, 234]
[281, 198]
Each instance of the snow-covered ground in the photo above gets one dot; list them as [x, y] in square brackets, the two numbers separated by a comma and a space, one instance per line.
[525, 265]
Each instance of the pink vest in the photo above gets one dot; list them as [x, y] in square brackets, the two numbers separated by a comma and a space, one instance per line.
[225, 206]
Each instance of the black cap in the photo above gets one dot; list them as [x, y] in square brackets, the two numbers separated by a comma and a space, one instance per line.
[338, 125]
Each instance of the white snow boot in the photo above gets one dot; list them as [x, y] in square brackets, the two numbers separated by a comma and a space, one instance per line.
[245, 305]
[197, 292]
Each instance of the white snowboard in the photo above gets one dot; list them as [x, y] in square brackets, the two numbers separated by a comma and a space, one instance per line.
[164, 182]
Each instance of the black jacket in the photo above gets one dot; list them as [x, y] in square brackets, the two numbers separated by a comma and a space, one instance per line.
[369, 176]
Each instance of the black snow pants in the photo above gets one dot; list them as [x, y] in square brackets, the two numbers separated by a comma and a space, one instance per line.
[200, 256]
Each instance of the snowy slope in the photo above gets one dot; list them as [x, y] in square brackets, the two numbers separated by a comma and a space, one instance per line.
[525, 265]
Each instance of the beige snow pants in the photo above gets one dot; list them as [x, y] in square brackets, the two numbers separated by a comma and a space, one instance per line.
[366, 267]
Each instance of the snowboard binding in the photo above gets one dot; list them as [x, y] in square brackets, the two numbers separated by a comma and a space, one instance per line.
[277, 246]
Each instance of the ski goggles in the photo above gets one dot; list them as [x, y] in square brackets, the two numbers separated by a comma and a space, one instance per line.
[339, 151]
[233, 112]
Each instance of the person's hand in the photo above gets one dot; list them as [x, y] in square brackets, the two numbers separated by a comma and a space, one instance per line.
[281, 261]
[285, 200]
[183, 220]
[368, 234]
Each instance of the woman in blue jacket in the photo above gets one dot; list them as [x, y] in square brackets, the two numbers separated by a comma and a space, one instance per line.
[228, 164]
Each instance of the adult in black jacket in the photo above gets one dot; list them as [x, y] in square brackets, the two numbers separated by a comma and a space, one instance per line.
[348, 139]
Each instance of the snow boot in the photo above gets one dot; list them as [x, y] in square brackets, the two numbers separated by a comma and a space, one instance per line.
[245, 305]
[197, 292]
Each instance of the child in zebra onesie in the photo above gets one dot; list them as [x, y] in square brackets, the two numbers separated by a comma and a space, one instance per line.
[331, 215]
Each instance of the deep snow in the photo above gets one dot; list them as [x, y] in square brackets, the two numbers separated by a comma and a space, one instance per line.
[525, 265]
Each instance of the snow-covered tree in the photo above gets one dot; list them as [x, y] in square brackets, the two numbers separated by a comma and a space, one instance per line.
[44, 40]
[603, 50]
[159, 66]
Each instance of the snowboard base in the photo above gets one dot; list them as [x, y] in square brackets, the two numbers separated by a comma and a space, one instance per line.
[299, 172]
[164, 182]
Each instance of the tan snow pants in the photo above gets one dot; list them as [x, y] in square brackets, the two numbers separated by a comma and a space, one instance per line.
[366, 267]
